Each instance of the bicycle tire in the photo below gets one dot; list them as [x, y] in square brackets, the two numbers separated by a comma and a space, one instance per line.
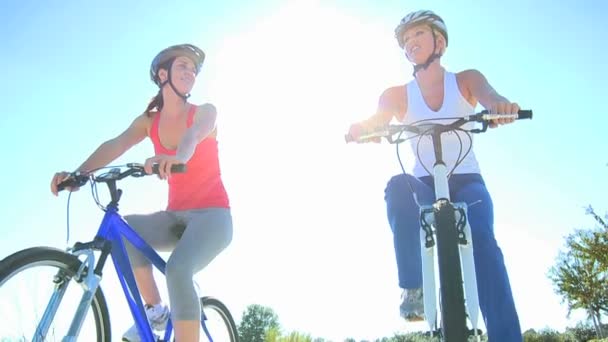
[45, 256]
[453, 313]
[211, 303]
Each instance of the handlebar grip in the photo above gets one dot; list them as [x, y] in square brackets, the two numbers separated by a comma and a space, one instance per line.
[75, 181]
[521, 114]
[525, 114]
[66, 184]
[175, 168]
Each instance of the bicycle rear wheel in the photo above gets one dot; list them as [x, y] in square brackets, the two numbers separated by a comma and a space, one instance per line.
[217, 322]
[453, 314]
[28, 279]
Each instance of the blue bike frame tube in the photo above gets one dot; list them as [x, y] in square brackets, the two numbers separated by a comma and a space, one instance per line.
[113, 228]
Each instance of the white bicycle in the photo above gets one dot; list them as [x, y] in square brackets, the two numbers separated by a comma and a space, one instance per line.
[445, 230]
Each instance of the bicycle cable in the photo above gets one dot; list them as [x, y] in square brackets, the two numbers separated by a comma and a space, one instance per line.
[67, 238]
[95, 197]
[420, 136]
[403, 168]
[459, 160]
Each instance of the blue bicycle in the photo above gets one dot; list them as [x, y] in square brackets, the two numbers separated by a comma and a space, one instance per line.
[66, 284]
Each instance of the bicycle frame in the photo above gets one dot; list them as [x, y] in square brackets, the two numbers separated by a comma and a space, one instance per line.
[444, 215]
[427, 212]
[109, 240]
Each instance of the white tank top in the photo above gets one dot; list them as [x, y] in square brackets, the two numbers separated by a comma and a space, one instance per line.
[454, 105]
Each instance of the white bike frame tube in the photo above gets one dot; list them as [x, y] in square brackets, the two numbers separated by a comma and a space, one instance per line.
[91, 283]
[440, 177]
[429, 286]
[467, 263]
[428, 275]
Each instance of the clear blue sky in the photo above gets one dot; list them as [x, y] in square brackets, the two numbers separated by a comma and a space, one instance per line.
[288, 77]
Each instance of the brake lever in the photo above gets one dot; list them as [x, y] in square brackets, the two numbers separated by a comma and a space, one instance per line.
[484, 125]
[137, 170]
[394, 141]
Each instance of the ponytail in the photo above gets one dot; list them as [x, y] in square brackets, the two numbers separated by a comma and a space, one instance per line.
[157, 102]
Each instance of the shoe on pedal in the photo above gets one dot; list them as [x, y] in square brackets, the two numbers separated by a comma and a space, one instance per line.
[412, 305]
[158, 315]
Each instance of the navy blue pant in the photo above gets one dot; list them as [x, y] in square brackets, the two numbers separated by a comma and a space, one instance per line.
[495, 297]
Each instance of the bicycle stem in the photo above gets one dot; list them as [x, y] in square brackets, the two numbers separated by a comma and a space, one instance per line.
[440, 170]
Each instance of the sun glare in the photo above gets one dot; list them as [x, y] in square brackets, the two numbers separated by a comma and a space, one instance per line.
[288, 88]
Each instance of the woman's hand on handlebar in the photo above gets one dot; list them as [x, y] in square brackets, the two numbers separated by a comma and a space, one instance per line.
[58, 178]
[503, 107]
[356, 131]
[164, 161]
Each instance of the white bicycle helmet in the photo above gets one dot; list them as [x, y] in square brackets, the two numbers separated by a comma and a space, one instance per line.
[165, 58]
[417, 18]
[422, 17]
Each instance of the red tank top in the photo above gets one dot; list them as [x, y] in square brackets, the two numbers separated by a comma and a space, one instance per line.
[201, 185]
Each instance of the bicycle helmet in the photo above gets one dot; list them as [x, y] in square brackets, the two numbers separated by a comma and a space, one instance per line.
[417, 18]
[165, 58]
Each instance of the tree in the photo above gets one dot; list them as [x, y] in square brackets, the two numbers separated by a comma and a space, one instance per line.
[580, 275]
[274, 335]
[582, 332]
[256, 321]
[546, 335]
[598, 244]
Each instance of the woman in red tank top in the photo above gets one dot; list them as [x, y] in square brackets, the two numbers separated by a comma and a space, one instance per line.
[198, 206]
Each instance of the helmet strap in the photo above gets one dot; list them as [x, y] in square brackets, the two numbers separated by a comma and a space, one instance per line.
[431, 58]
[183, 96]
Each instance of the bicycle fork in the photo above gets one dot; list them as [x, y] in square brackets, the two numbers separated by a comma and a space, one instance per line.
[89, 280]
[467, 263]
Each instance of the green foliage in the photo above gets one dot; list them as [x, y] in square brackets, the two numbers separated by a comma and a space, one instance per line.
[263, 326]
[294, 336]
[256, 321]
[546, 335]
[582, 332]
[580, 275]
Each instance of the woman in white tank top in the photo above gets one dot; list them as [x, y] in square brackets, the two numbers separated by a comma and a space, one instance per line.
[433, 93]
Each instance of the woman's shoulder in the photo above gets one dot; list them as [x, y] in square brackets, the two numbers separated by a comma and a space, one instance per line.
[207, 106]
[203, 109]
[145, 120]
[468, 80]
[469, 75]
[395, 93]
[394, 96]
[151, 114]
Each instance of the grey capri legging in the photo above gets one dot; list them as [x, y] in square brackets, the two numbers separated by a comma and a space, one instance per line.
[195, 238]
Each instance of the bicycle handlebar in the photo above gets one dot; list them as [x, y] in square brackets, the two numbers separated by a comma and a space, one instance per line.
[425, 127]
[78, 179]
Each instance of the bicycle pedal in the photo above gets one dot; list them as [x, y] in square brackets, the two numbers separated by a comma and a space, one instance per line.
[472, 332]
[414, 318]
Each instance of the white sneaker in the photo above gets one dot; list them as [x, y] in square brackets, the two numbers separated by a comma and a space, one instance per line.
[158, 315]
[412, 305]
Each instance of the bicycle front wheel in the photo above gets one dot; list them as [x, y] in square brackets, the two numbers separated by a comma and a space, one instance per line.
[453, 314]
[217, 322]
[28, 279]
